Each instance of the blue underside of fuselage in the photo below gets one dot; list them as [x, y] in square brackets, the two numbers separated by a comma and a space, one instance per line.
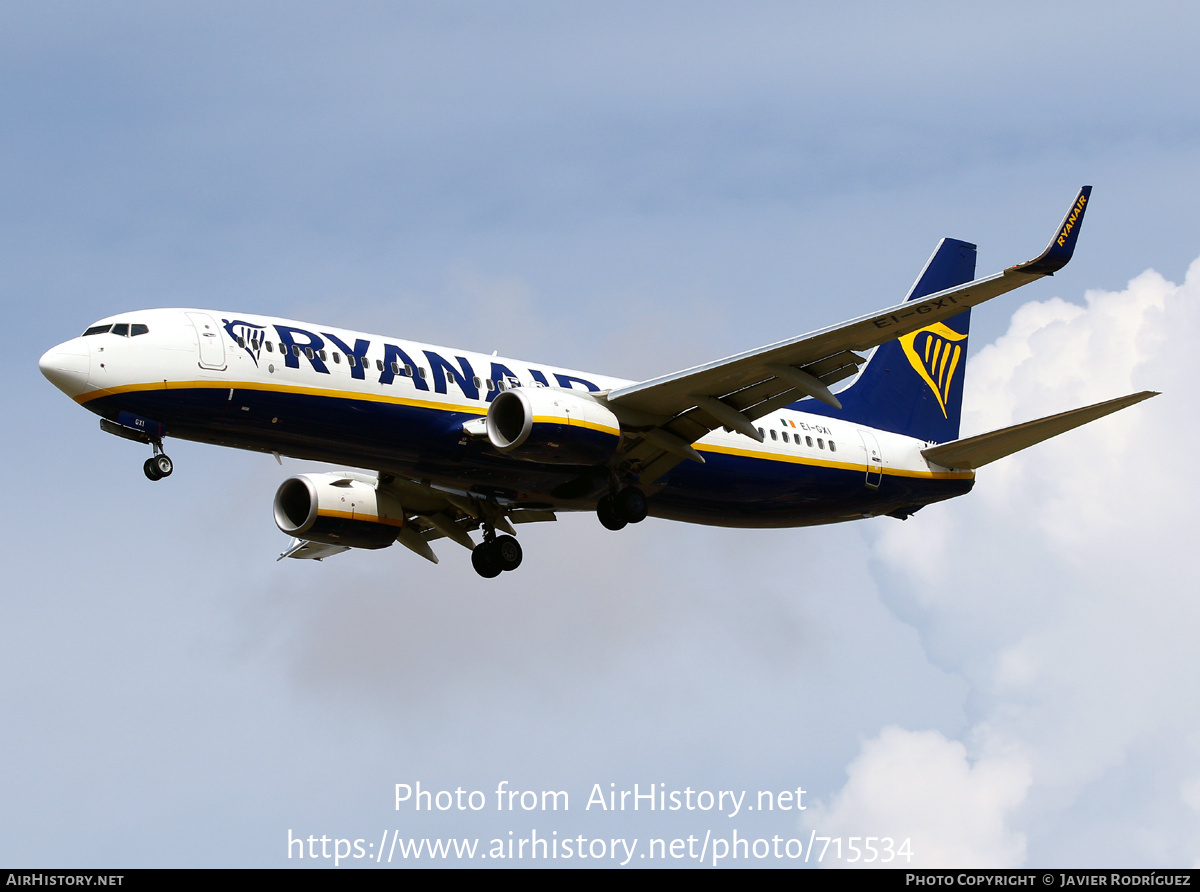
[429, 444]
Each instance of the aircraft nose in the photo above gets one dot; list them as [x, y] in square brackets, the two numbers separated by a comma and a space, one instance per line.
[67, 366]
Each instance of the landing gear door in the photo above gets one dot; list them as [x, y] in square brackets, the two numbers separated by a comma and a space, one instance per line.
[874, 459]
[212, 350]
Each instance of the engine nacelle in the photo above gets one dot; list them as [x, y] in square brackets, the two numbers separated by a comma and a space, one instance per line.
[551, 425]
[338, 509]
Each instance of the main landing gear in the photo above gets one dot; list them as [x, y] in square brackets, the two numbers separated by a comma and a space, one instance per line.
[495, 554]
[623, 507]
[158, 465]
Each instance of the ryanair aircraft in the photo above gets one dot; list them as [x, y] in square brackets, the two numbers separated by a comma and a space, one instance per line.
[460, 443]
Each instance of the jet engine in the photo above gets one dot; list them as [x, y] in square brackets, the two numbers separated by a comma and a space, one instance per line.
[338, 509]
[550, 425]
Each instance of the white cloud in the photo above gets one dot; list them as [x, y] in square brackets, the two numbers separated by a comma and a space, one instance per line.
[919, 787]
[1063, 591]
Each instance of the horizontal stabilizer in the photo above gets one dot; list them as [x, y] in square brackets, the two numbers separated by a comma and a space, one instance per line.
[975, 452]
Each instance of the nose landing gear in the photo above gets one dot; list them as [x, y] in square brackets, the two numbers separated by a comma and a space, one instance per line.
[158, 465]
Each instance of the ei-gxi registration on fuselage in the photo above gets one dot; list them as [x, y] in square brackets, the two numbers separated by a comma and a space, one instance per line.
[451, 444]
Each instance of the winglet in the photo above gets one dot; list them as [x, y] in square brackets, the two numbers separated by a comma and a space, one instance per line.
[1062, 246]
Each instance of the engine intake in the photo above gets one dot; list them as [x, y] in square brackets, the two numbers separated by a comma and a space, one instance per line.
[550, 425]
[338, 509]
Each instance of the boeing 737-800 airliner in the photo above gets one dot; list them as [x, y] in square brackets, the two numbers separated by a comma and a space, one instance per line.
[459, 442]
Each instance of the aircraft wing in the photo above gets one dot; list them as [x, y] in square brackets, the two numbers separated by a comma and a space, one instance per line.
[672, 412]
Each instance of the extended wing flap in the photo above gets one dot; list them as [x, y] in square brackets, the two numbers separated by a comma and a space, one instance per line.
[975, 452]
[415, 542]
[532, 515]
[303, 549]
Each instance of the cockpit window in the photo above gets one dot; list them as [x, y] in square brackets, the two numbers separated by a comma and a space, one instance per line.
[120, 329]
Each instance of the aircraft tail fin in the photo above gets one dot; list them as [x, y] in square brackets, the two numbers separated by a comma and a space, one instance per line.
[914, 385]
[975, 452]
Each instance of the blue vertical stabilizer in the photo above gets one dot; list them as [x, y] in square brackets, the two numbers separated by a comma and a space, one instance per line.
[914, 385]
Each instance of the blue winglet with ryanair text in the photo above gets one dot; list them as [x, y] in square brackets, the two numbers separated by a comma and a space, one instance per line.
[1062, 246]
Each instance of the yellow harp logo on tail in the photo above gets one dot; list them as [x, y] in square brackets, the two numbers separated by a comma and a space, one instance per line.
[934, 355]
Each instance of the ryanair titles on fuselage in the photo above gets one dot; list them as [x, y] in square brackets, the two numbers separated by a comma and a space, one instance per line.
[294, 343]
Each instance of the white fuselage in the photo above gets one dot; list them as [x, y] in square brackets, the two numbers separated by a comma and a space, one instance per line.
[399, 406]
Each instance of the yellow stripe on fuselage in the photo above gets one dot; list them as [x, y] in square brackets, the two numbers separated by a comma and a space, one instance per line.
[827, 463]
[280, 388]
[481, 410]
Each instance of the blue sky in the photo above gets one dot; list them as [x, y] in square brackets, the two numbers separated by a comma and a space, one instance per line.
[629, 189]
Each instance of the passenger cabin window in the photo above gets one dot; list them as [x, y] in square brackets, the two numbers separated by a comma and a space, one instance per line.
[808, 440]
[774, 436]
[350, 361]
[337, 359]
[379, 365]
[832, 448]
[269, 347]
